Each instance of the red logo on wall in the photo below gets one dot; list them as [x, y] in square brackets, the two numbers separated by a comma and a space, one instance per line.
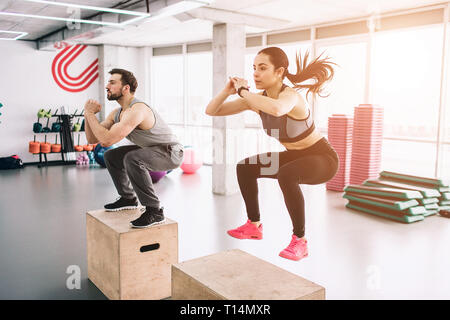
[62, 62]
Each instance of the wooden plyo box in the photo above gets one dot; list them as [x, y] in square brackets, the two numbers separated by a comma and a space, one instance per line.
[237, 275]
[128, 263]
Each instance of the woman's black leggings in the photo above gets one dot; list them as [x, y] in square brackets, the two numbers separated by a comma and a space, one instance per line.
[313, 165]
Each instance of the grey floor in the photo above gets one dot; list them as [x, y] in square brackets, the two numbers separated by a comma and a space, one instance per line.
[353, 255]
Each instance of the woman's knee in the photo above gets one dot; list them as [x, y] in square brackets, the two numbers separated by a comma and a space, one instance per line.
[243, 169]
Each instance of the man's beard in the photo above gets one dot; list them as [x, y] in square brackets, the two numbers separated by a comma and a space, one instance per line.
[114, 97]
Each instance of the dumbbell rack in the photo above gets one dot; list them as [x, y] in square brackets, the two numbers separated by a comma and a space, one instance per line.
[65, 140]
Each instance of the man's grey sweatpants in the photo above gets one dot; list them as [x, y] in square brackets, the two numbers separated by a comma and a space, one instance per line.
[132, 163]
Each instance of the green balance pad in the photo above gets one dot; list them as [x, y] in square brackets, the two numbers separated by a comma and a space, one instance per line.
[445, 196]
[382, 202]
[373, 210]
[426, 192]
[415, 184]
[430, 181]
[428, 200]
[432, 206]
[384, 192]
[411, 209]
[430, 212]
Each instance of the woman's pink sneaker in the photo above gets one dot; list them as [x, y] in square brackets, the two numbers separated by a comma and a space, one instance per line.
[247, 231]
[296, 250]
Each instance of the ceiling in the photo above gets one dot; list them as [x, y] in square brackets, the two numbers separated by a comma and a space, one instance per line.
[196, 25]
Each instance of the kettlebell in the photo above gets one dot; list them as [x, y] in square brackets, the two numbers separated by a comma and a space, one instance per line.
[41, 113]
[37, 127]
[56, 127]
[76, 127]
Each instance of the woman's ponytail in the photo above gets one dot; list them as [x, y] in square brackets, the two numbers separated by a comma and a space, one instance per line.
[320, 70]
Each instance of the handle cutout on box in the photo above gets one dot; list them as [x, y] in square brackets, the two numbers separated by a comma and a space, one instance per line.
[150, 247]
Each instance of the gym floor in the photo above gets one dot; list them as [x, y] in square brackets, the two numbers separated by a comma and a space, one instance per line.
[353, 255]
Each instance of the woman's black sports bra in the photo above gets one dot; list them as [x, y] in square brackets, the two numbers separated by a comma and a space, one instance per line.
[286, 128]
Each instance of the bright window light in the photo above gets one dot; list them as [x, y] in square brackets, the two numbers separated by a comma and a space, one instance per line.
[19, 33]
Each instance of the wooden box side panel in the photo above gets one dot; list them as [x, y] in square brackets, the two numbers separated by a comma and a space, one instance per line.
[237, 275]
[147, 275]
[103, 257]
[317, 295]
[184, 287]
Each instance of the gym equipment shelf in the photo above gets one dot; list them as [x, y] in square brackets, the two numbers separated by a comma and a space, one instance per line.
[67, 145]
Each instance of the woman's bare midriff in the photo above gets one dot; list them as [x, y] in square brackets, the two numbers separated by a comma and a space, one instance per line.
[304, 143]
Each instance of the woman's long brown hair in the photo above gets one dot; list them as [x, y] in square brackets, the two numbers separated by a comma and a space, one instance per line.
[319, 70]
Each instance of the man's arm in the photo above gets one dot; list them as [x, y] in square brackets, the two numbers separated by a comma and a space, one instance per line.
[130, 120]
[107, 123]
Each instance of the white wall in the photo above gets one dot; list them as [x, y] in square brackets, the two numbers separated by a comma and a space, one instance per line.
[135, 60]
[26, 85]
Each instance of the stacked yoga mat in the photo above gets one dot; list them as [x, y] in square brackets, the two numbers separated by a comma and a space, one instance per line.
[367, 143]
[358, 142]
[399, 197]
[340, 127]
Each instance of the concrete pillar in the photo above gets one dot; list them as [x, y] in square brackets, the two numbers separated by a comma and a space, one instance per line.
[228, 49]
[108, 58]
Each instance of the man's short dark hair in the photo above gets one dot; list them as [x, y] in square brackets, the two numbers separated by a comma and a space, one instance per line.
[127, 78]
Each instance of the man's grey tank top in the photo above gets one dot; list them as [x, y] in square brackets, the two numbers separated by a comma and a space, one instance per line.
[159, 134]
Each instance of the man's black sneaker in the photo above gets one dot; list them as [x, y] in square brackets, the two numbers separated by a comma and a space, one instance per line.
[150, 217]
[122, 204]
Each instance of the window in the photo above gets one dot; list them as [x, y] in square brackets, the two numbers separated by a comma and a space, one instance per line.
[406, 80]
[167, 87]
[445, 171]
[185, 114]
[199, 87]
[416, 158]
[346, 90]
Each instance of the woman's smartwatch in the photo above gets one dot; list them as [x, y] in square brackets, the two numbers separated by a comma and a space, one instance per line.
[240, 89]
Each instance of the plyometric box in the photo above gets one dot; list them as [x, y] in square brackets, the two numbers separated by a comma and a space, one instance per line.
[237, 275]
[128, 263]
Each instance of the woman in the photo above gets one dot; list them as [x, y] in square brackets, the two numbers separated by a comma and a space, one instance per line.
[309, 158]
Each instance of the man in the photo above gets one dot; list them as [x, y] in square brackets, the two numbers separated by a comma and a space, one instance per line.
[155, 147]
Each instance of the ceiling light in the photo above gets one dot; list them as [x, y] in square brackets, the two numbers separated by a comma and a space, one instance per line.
[20, 34]
[139, 15]
[179, 7]
[14, 14]
[81, 6]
